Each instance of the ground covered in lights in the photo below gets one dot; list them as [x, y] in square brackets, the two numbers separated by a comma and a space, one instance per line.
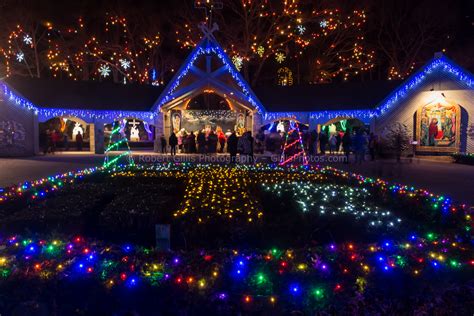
[246, 239]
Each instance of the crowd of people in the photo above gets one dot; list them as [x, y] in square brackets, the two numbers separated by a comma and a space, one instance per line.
[210, 143]
[356, 142]
[52, 139]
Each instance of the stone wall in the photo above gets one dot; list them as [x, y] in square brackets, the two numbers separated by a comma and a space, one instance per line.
[18, 130]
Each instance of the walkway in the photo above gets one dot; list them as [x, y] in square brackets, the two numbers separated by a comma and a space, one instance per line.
[451, 179]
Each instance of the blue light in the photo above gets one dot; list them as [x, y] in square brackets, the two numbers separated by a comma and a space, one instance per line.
[295, 289]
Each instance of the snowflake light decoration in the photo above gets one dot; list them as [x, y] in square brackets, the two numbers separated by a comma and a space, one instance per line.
[280, 57]
[104, 71]
[260, 51]
[323, 24]
[301, 29]
[27, 39]
[20, 57]
[124, 63]
[238, 62]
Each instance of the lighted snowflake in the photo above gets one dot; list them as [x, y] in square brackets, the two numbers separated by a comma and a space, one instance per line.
[20, 57]
[260, 51]
[280, 57]
[301, 29]
[323, 24]
[238, 62]
[124, 63]
[27, 39]
[104, 71]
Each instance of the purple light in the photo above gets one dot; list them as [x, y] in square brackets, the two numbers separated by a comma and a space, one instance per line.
[222, 296]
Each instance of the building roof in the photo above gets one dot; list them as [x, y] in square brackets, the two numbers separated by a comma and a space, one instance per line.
[325, 97]
[86, 95]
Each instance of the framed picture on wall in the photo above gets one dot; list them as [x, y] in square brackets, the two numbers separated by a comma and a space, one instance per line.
[438, 126]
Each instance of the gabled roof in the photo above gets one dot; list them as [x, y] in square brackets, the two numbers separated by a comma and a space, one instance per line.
[439, 63]
[325, 97]
[85, 95]
[207, 46]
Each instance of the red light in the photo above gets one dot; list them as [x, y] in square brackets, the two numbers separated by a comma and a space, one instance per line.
[207, 257]
[90, 269]
[338, 287]
[123, 276]
[247, 299]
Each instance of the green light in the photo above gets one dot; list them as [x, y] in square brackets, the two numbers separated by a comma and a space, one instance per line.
[318, 293]
[260, 279]
[455, 264]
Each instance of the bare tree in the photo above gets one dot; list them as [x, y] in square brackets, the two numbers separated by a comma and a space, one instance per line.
[406, 30]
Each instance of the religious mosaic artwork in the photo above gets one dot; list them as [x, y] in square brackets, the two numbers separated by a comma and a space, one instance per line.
[438, 126]
[195, 120]
[176, 121]
[12, 134]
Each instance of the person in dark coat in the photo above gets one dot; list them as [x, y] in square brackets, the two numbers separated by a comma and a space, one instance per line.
[45, 141]
[232, 142]
[191, 142]
[212, 142]
[201, 140]
[79, 140]
[323, 141]
[163, 144]
[346, 145]
[173, 141]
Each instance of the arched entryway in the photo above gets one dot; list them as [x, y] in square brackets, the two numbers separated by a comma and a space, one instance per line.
[64, 133]
[272, 136]
[342, 124]
[139, 133]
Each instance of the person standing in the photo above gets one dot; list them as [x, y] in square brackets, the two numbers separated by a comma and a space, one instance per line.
[323, 140]
[360, 146]
[173, 141]
[191, 142]
[346, 145]
[245, 147]
[52, 141]
[65, 142]
[332, 144]
[163, 144]
[79, 140]
[45, 141]
[180, 141]
[222, 139]
[212, 142]
[201, 140]
[338, 141]
[232, 142]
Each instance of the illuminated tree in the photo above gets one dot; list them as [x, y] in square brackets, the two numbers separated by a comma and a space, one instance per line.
[406, 30]
[273, 32]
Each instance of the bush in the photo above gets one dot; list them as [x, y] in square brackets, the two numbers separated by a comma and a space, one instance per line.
[464, 158]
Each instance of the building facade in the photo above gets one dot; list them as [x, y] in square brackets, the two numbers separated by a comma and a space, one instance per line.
[435, 105]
